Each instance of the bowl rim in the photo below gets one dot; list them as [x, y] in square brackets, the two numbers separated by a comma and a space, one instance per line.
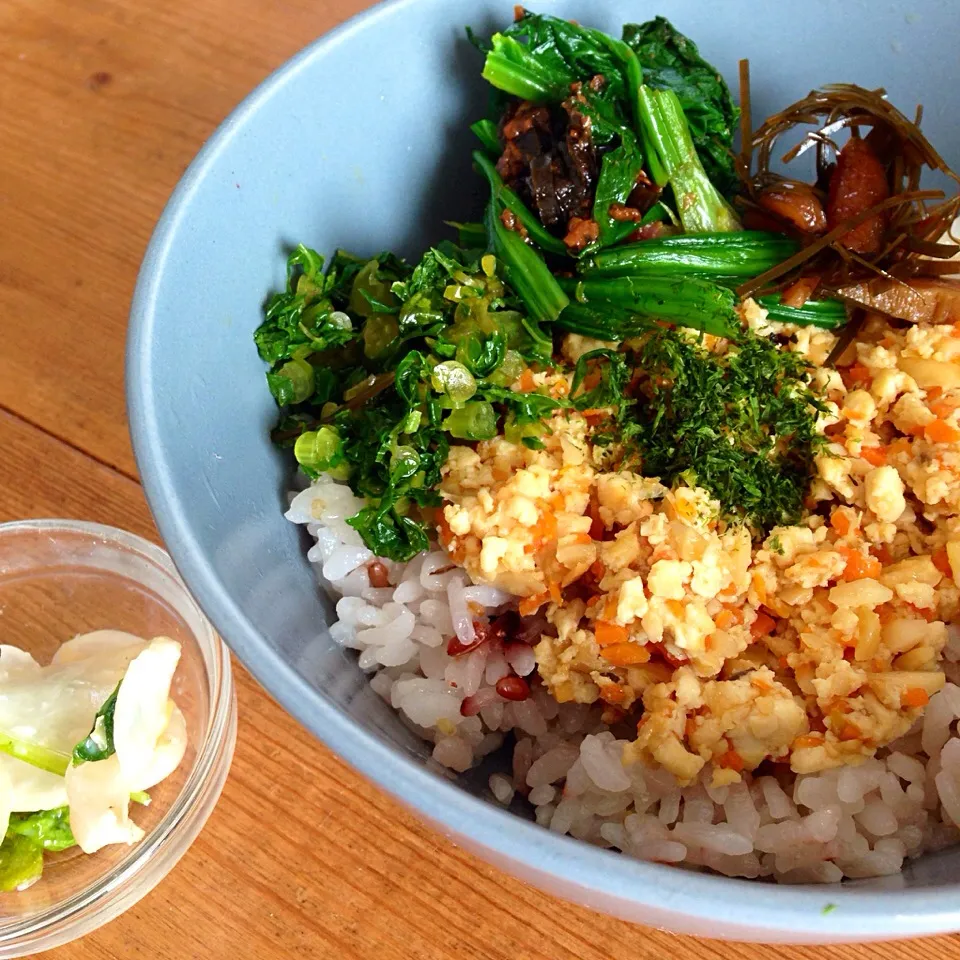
[149, 861]
[773, 912]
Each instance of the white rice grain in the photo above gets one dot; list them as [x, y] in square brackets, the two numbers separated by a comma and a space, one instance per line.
[459, 613]
[545, 793]
[779, 805]
[345, 560]
[553, 765]
[455, 753]
[522, 659]
[740, 810]
[717, 837]
[501, 788]
[603, 768]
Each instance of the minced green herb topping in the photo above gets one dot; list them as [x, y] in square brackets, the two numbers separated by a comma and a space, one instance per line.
[741, 424]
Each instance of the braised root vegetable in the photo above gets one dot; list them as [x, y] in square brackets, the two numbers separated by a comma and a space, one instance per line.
[921, 300]
[879, 223]
[797, 204]
[858, 183]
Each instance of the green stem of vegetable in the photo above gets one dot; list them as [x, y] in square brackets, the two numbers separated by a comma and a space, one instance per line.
[53, 761]
[606, 323]
[525, 270]
[633, 75]
[828, 314]
[659, 211]
[470, 236]
[503, 194]
[666, 138]
[511, 67]
[685, 302]
[714, 256]
[486, 133]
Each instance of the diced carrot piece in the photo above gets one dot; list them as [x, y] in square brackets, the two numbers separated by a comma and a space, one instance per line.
[626, 654]
[610, 607]
[763, 625]
[561, 388]
[583, 538]
[557, 501]
[529, 605]
[900, 445]
[526, 381]
[672, 659]
[915, 697]
[612, 693]
[941, 432]
[856, 373]
[723, 619]
[849, 731]
[942, 407]
[731, 760]
[875, 456]
[553, 588]
[676, 607]
[942, 562]
[546, 528]
[784, 663]
[760, 587]
[934, 393]
[443, 529]
[609, 633]
[840, 521]
[807, 740]
[859, 565]
[736, 612]
[598, 569]
[690, 727]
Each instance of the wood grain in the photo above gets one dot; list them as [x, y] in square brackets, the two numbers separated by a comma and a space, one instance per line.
[102, 105]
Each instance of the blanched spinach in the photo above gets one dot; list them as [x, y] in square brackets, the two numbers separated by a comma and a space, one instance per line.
[98, 744]
[671, 61]
[21, 862]
[49, 829]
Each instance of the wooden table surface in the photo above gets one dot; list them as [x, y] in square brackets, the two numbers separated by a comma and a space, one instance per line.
[102, 105]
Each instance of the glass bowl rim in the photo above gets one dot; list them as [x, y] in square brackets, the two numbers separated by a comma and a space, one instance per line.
[153, 857]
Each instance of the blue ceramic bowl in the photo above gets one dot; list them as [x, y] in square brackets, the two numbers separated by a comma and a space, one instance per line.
[361, 141]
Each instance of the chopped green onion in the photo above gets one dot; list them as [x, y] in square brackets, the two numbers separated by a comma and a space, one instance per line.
[473, 421]
[318, 450]
[453, 379]
[300, 375]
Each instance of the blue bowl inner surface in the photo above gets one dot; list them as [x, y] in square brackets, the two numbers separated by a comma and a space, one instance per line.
[361, 142]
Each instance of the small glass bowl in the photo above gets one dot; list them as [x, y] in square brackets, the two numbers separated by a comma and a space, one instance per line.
[60, 578]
